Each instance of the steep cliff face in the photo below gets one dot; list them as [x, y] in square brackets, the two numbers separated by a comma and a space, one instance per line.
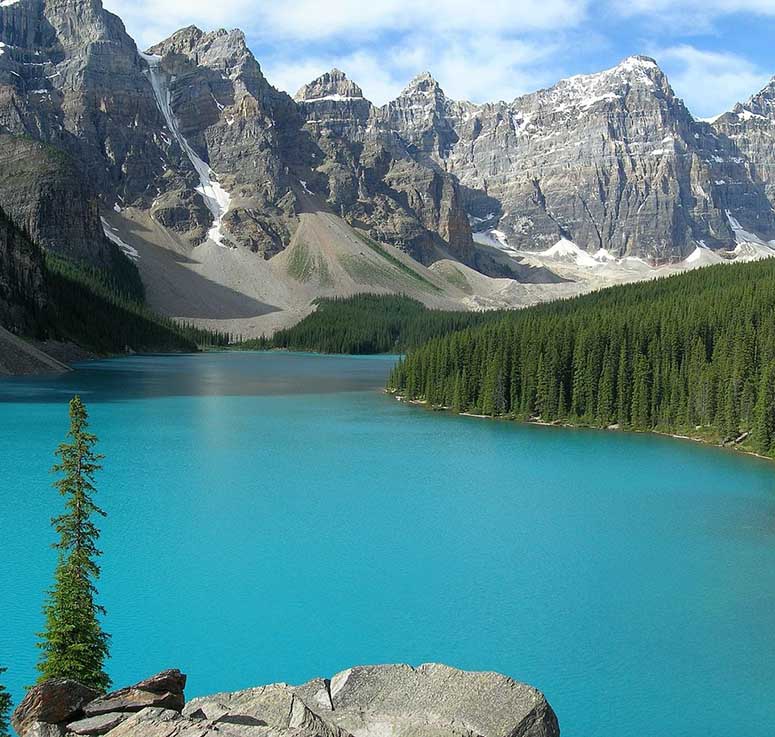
[22, 280]
[192, 146]
[70, 78]
[43, 192]
[237, 131]
[751, 127]
[372, 176]
[610, 160]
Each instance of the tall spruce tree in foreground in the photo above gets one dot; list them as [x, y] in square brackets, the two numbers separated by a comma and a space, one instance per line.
[5, 707]
[73, 644]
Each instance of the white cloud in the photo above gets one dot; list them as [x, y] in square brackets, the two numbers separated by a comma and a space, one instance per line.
[478, 68]
[710, 82]
[312, 19]
[471, 48]
[483, 50]
[363, 67]
[150, 21]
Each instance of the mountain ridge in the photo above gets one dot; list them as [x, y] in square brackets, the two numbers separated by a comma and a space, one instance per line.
[188, 159]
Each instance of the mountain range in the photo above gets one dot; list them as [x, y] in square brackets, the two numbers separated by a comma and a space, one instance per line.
[240, 205]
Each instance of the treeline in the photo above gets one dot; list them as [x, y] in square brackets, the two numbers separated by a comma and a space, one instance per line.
[87, 306]
[689, 353]
[369, 323]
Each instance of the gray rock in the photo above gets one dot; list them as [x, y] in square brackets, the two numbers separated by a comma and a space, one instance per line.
[22, 283]
[100, 724]
[168, 681]
[371, 176]
[134, 699]
[751, 127]
[155, 722]
[42, 729]
[432, 700]
[276, 706]
[162, 691]
[396, 700]
[71, 78]
[611, 160]
[53, 702]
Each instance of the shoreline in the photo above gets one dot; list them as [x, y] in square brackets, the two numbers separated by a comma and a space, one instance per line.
[569, 425]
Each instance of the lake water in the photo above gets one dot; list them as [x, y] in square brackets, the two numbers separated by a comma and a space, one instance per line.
[275, 517]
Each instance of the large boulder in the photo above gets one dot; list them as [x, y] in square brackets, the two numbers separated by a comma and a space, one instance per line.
[433, 701]
[52, 702]
[163, 691]
[395, 700]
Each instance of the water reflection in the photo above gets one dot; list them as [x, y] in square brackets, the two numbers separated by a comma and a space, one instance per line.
[205, 374]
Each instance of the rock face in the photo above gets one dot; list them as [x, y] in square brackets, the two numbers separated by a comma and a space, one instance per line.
[611, 160]
[223, 110]
[371, 176]
[71, 78]
[164, 691]
[193, 140]
[395, 700]
[45, 195]
[52, 702]
[22, 279]
[751, 126]
[432, 700]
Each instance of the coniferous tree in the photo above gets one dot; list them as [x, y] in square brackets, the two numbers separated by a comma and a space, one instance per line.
[764, 414]
[693, 352]
[5, 707]
[73, 643]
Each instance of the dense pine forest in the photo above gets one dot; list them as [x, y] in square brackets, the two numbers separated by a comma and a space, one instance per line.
[369, 323]
[692, 353]
[90, 308]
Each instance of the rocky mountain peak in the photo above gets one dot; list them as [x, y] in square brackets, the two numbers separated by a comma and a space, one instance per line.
[182, 41]
[215, 49]
[423, 84]
[333, 85]
[640, 73]
[761, 105]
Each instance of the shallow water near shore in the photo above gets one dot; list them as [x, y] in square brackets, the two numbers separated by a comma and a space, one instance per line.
[275, 517]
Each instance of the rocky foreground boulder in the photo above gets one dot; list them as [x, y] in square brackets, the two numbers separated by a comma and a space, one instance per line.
[385, 700]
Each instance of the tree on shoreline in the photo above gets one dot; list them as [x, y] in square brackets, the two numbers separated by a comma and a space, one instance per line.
[5, 707]
[73, 643]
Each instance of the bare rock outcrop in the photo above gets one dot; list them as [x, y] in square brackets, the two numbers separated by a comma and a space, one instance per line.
[52, 702]
[396, 700]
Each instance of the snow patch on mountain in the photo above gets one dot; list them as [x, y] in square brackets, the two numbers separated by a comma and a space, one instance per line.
[568, 251]
[216, 198]
[112, 236]
[741, 234]
[702, 256]
[334, 98]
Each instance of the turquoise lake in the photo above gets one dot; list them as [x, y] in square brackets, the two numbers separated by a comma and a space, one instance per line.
[274, 517]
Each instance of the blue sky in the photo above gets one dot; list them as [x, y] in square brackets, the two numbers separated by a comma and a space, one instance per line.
[715, 52]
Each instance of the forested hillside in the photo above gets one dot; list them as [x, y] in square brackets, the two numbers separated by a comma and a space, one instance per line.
[690, 353]
[89, 307]
[370, 323]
